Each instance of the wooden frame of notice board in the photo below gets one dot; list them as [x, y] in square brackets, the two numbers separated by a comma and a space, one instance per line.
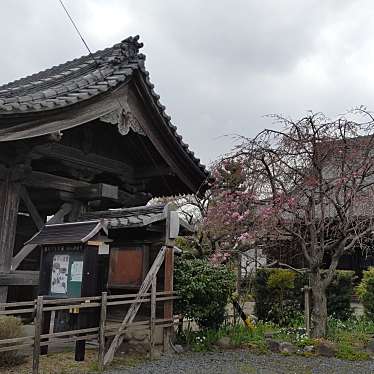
[61, 272]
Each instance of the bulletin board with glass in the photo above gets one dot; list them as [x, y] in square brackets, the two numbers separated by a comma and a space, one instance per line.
[66, 274]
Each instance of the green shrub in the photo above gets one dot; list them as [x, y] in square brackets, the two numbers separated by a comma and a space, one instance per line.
[279, 296]
[204, 291]
[365, 291]
[10, 327]
[339, 295]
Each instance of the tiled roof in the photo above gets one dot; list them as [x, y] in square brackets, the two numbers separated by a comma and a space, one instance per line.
[82, 79]
[133, 217]
[77, 232]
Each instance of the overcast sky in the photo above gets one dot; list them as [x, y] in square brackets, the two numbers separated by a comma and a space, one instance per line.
[219, 65]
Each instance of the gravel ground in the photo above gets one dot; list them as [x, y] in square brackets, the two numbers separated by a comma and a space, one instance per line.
[243, 362]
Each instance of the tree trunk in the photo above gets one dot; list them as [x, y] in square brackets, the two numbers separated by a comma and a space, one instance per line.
[319, 310]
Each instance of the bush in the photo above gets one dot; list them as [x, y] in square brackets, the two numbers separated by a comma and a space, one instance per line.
[365, 292]
[10, 327]
[279, 297]
[204, 291]
[339, 295]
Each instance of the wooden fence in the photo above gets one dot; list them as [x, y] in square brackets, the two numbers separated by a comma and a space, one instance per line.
[41, 305]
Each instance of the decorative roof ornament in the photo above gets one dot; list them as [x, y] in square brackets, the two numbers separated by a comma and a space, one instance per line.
[130, 47]
[125, 120]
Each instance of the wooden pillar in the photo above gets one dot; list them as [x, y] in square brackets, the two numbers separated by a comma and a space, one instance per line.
[9, 201]
[168, 286]
[88, 317]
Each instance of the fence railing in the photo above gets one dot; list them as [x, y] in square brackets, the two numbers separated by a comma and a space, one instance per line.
[41, 305]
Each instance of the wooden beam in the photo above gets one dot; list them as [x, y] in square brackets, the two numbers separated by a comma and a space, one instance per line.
[97, 192]
[9, 201]
[19, 278]
[41, 180]
[38, 179]
[148, 173]
[38, 220]
[28, 248]
[78, 158]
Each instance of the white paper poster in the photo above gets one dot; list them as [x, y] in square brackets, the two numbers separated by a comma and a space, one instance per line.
[59, 278]
[76, 271]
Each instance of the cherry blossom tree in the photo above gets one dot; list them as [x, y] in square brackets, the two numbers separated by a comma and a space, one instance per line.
[311, 182]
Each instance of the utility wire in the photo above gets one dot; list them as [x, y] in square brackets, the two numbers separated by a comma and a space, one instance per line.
[75, 26]
[103, 77]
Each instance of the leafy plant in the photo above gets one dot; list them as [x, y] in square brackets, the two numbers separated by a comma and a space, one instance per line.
[365, 291]
[204, 291]
[339, 294]
[280, 299]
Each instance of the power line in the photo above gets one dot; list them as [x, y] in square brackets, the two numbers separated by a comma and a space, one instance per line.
[103, 77]
[75, 26]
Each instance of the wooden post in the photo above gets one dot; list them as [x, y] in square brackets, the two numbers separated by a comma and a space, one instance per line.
[103, 312]
[87, 318]
[9, 202]
[168, 287]
[153, 317]
[38, 320]
[170, 235]
[307, 309]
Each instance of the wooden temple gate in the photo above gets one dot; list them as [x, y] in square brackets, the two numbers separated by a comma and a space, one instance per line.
[76, 141]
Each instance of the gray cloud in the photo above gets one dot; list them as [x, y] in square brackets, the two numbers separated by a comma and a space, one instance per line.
[219, 66]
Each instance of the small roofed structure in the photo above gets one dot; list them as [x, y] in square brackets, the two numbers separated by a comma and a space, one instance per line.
[68, 233]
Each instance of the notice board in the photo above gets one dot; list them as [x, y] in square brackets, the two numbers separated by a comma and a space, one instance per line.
[66, 274]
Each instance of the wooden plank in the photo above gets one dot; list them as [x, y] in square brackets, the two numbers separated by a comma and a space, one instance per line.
[153, 317]
[38, 328]
[38, 220]
[23, 339]
[131, 313]
[103, 313]
[28, 248]
[52, 322]
[9, 202]
[16, 347]
[70, 339]
[19, 278]
[16, 311]
[70, 332]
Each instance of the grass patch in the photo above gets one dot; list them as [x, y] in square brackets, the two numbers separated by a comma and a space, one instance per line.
[63, 363]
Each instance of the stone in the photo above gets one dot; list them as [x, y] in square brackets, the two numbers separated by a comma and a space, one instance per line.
[139, 335]
[224, 342]
[273, 345]
[326, 348]
[286, 347]
[308, 348]
[370, 346]
[268, 335]
[178, 348]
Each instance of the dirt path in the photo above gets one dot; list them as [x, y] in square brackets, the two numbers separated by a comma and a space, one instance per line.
[243, 362]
